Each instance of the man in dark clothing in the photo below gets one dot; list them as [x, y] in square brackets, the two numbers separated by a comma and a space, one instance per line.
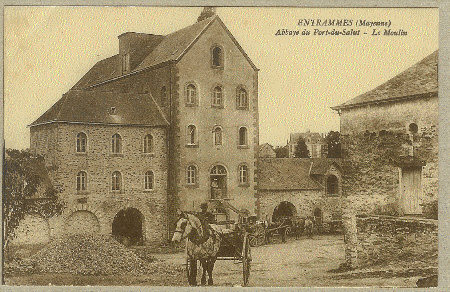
[207, 216]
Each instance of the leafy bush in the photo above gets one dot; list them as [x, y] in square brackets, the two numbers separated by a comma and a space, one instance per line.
[390, 209]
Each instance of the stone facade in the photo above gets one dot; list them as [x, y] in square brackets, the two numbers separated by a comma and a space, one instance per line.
[145, 71]
[389, 140]
[99, 163]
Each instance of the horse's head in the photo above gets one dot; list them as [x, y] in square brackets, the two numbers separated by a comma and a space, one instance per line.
[183, 228]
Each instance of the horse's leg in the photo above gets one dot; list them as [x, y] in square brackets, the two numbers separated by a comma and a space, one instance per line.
[204, 264]
[193, 275]
[210, 270]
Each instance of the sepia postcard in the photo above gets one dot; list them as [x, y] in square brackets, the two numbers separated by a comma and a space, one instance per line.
[221, 146]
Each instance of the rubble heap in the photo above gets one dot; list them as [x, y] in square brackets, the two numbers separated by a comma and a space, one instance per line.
[90, 255]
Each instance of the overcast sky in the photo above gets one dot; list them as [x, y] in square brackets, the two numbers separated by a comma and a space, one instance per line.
[48, 49]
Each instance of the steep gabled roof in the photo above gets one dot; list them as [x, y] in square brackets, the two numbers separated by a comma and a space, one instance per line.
[321, 165]
[95, 107]
[419, 79]
[314, 137]
[172, 47]
[285, 174]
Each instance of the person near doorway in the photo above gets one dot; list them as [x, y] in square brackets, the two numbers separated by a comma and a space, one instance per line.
[215, 191]
[309, 224]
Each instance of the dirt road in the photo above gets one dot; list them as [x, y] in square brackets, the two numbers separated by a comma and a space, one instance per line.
[303, 263]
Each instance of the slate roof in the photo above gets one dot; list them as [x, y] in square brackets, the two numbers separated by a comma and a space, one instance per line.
[95, 107]
[172, 47]
[285, 174]
[321, 165]
[419, 79]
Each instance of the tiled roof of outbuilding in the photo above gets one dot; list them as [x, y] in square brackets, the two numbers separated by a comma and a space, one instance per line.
[321, 165]
[171, 48]
[419, 79]
[84, 106]
[285, 174]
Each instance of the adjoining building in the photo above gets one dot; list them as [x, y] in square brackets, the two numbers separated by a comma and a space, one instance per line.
[315, 143]
[168, 123]
[300, 187]
[266, 151]
[389, 139]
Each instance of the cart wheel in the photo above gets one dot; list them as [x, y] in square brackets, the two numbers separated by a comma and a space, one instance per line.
[246, 259]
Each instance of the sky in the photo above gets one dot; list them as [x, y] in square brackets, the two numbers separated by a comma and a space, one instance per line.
[48, 49]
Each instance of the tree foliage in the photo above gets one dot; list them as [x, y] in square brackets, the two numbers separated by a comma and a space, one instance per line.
[281, 152]
[333, 140]
[26, 188]
[301, 150]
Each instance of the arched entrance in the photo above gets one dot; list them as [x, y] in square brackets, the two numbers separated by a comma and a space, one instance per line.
[82, 222]
[127, 227]
[332, 185]
[218, 184]
[32, 229]
[284, 209]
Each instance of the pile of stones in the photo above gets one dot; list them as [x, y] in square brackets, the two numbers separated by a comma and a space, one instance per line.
[84, 254]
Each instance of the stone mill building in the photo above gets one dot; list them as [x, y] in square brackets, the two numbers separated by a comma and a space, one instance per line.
[168, 123]
[389, 139]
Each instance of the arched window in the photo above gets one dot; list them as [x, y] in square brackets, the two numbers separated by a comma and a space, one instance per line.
[243, 174]
[81, 181]
[191, 175]
[163, 96]
[413, 128]
[243, 141]
[217, 136]
[242, 99]
[148, 180]
[192, 135]
[116, 144]
[217, 97]
[332, 185]
[116, 182]
[217, 57]
[148, 144]
[81, 142]
[191, 94]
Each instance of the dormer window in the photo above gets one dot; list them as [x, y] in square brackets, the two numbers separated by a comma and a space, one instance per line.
[125, 63]
[217, 57]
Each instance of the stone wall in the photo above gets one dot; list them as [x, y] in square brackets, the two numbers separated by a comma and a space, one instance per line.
[387, 240]
[304, 201]
[99, 199]
[376, 139]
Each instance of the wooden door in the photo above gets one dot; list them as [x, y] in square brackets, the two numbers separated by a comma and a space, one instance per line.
[411, 190]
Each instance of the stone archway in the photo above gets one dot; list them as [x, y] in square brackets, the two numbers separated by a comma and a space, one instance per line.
[32, 229]
[82, 222]
[127, 227]
[284, 209]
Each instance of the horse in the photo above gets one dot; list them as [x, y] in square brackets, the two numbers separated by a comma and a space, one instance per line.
[202, 244]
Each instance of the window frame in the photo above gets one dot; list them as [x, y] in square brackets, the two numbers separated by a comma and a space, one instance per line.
[114, 144]
[221, 57]
[77, 146]
[214, 103]
[243, 175]
[336, 186]
[239, 104]
[246, 143]
[149, 174]
[81, 181]
[114, 182]
[192, 175]
[191, 100]
[216, 130]
[146, 145]
[189, 137]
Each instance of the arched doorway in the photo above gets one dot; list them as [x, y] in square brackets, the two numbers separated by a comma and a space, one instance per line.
[127, 227]
[32, 229]
[82, 222]
[284, 209]
[332, 185]
[218, 184]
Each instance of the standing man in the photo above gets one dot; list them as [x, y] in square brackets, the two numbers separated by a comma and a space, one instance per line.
[206, 216]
